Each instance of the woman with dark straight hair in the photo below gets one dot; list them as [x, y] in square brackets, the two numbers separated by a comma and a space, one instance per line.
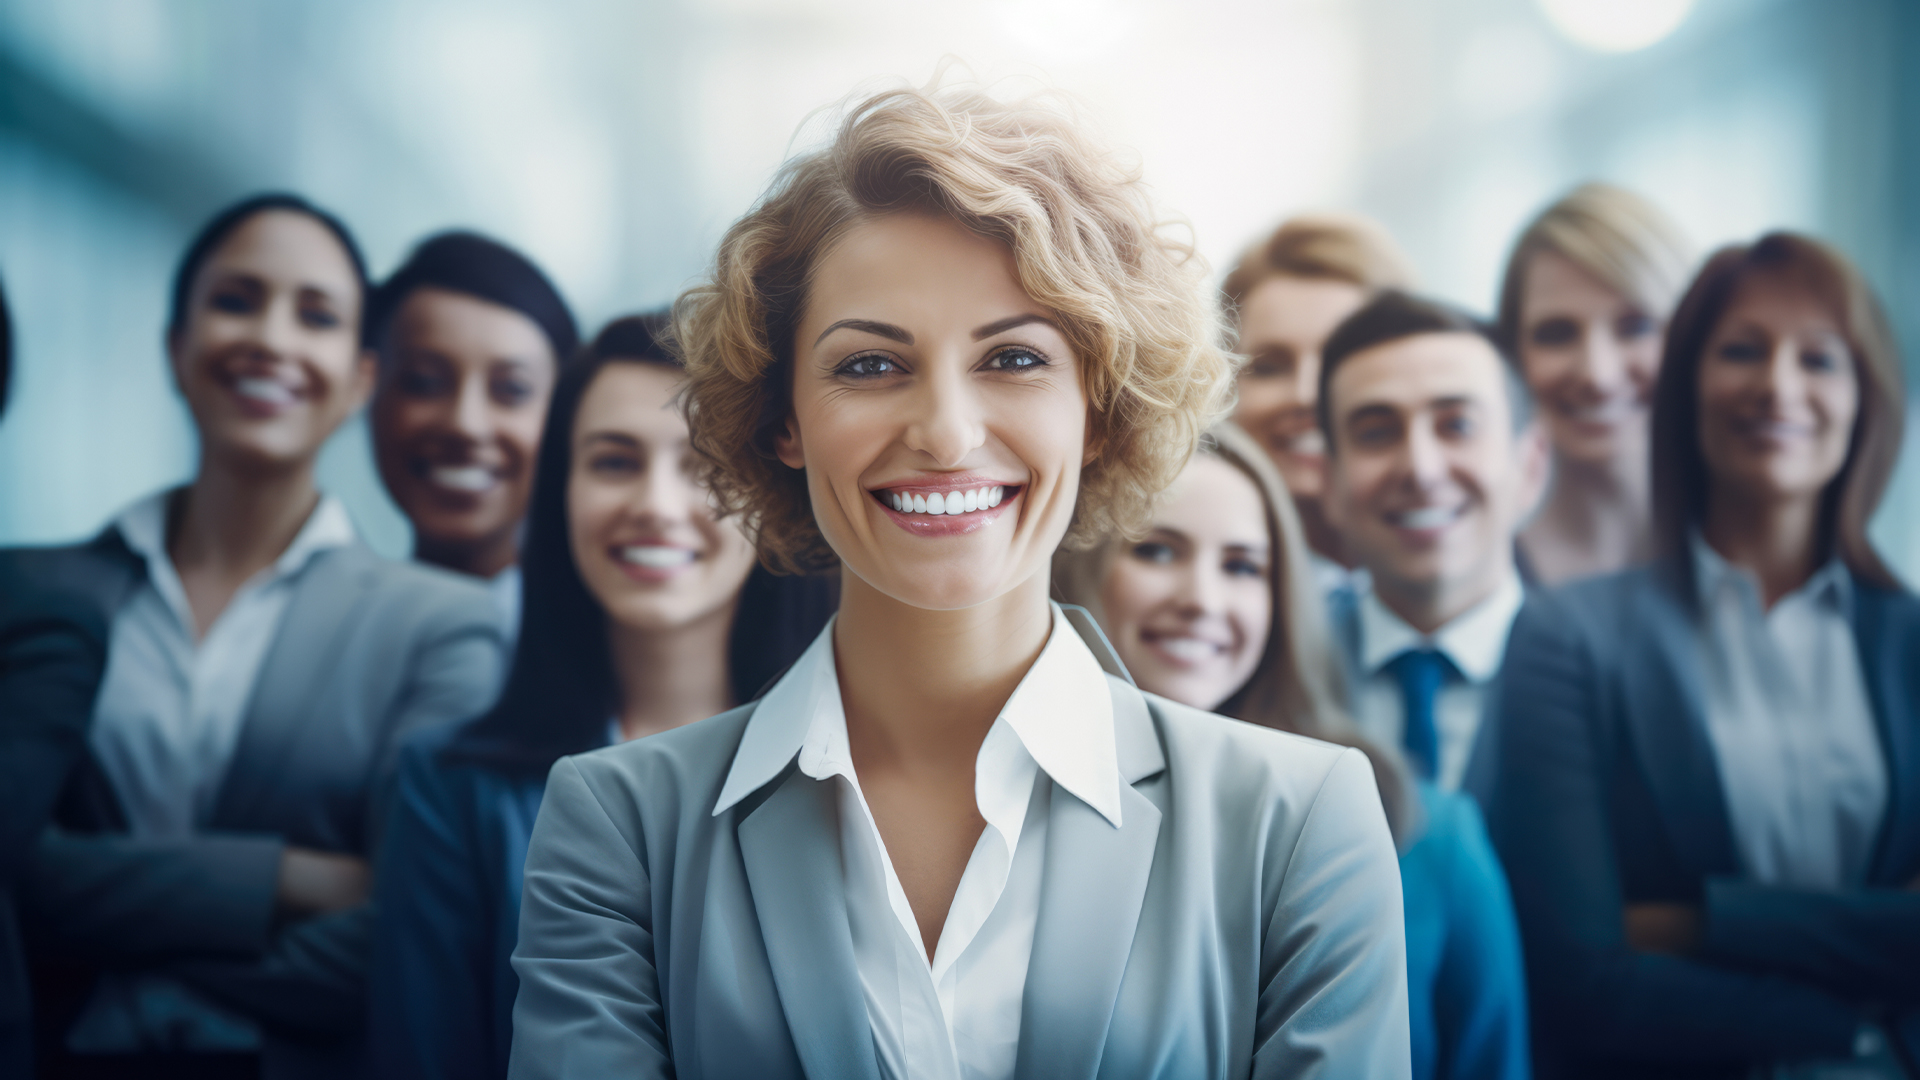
[643, 611]
[202, 900]
[1710, 791]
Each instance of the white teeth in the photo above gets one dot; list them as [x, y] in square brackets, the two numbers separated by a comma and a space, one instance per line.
[472, 478]
[1430, 517]
[270, 391]
[654, 557]
[952, 502]
[1192, 650]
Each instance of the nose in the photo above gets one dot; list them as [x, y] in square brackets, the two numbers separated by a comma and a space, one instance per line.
[1425, 459]
[1782, 380]
[277, 328]
[945, 420]
[664, 495]
[470, 416]
[1306, 379]
[1199, 593]
[1601, 364]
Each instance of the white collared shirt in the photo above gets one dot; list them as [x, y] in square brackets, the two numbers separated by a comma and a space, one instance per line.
[1475, 641]
[958, 1018]
[165, 726]
[505, 589]
[1791, 725]
[170, 707]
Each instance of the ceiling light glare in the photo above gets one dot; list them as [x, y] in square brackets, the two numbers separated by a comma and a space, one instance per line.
[1615, 26]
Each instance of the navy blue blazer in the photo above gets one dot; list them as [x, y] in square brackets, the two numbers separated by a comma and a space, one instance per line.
[448, 896]
[1611, 795]
[1466, 994]
[1483, 767]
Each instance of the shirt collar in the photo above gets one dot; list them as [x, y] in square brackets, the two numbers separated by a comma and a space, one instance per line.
[1830, 585]
[1475, 641]
[144, 528]
[1062, 713]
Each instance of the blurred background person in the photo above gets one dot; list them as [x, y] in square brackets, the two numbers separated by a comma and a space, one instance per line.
[644, 612]
[1433, 461]
[471, 337]
[1284, 297]
[1583, 307]
[52, 651]
[1710, 804]
[262, 666]
[1216, 608]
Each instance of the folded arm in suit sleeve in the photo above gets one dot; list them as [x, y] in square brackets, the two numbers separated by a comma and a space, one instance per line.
[1861, 943]
[1556, 835]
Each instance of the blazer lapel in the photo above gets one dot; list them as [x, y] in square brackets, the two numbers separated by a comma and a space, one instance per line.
[1881, 642]
[1091, 893]
[1665, 710]
[791, 847]
[302, 658]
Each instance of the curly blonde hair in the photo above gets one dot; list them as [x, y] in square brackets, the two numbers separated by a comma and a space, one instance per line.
[1085, 245]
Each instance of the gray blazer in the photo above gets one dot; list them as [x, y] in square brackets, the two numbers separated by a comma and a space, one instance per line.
[1244, 920]
[369, 651]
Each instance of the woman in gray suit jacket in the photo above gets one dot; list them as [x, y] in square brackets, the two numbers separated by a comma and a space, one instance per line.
[202, 897]
[950, 841]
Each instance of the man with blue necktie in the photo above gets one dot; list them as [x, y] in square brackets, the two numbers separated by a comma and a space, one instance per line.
[1434, 462]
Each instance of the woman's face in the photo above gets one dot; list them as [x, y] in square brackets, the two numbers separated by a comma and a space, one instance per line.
[1191, 605]
[1284, 323]
[938, 412]
[644, 533]
[456, 421]
[1591, 357]
[1779, 393]
[268, 356]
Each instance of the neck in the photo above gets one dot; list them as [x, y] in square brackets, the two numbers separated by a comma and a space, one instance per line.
[1597, 517]
[922, 687]
[232, 522]
[1771, 538]
[483, 558]
[669, 677]
[1427, 607]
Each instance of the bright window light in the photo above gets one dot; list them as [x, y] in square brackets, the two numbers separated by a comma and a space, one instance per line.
[1615, 25]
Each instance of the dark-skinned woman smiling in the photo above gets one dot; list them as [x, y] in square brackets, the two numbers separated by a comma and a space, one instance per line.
[1709, 802]
[204, 889]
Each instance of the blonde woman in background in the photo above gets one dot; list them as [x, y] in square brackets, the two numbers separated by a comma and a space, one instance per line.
[1215, 608]
[1584, 306]
[1284, 297]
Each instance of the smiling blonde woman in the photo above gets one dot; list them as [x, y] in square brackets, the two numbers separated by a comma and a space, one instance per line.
[950, 841]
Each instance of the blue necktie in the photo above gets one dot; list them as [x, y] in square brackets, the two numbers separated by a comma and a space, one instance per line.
[1421, 672]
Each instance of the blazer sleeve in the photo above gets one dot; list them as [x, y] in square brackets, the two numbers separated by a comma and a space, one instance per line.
[1598, 996]
[429, 1014]
[52, 654]
[590, 1000]
[1858, 944]
[1333, 963]
[311, 978]
[1480, 1002]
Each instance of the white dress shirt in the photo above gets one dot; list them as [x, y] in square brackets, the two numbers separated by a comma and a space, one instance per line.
[1791, 725]
[1475, 641]
[957, 1018]
[165, 726]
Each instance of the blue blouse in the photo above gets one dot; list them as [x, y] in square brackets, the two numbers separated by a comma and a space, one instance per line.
[1466, 994]
[441, 988]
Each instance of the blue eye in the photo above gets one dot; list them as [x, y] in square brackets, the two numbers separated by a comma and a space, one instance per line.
[1017, 359]
[1244, 568]
[1151, 551]
[1819, 360]
[867, 366]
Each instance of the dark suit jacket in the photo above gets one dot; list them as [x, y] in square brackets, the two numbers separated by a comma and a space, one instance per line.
[1343, 622]
[369, 651]
[1610, 794]
[52, 651]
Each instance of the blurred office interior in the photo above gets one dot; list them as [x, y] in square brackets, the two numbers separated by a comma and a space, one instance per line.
[615, 139]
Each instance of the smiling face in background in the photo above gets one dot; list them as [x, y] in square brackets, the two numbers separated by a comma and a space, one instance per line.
[1190, 606]
[924, 376]
[1779, 394]
[1428, 479]
[1591, 357]
[1284, 322]
[643, 532]
[456, 423]
[268, 357]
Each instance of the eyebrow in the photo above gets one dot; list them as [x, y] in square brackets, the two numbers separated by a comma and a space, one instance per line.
[868, 326]
[609, 436]
[1011, 323]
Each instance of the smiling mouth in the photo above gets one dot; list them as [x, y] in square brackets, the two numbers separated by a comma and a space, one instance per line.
[655, 556]
[466, 479]
[1185, 649]
[1426, 518]
[265, 391]
[951, 503]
